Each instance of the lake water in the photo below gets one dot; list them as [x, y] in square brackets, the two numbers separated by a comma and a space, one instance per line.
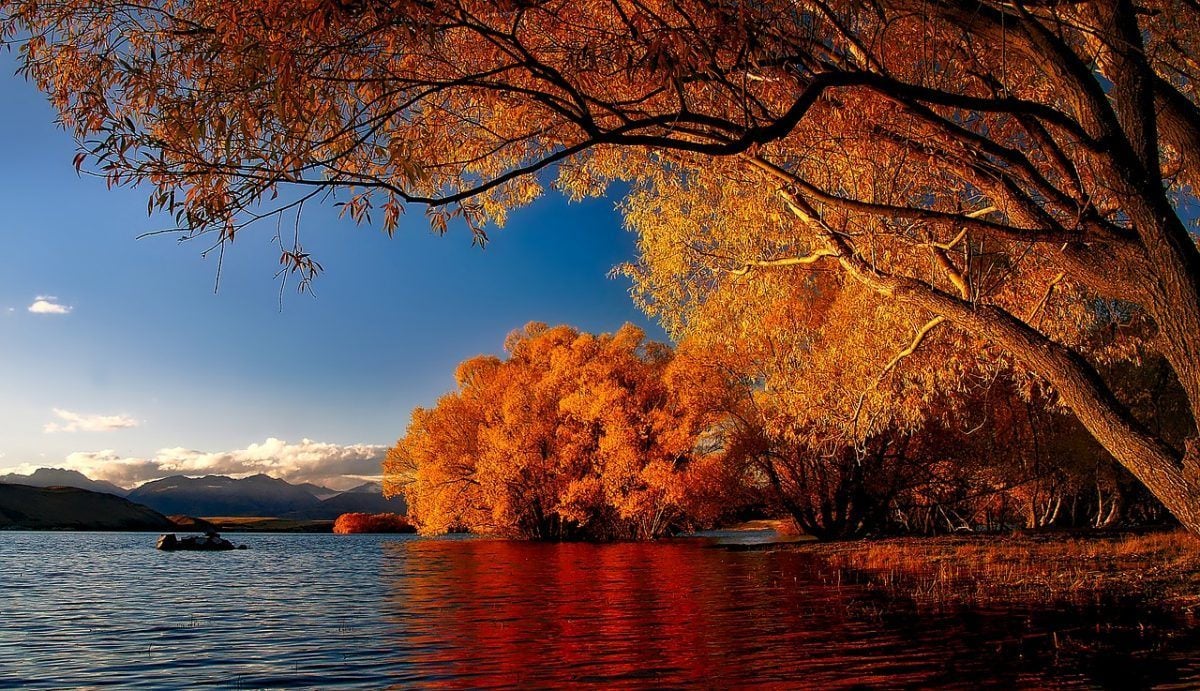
[364, 611]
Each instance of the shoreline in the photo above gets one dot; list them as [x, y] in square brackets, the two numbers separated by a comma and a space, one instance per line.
[1159, 569]
[268, 524]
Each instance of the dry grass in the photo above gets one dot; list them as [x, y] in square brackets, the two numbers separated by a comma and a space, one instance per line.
[1162, 568]
[267, 524]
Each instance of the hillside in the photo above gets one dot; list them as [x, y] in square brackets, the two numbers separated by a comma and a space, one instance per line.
[70, 508]
[60, 477]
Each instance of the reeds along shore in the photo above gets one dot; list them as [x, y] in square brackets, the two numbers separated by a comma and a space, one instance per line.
[1161, 569]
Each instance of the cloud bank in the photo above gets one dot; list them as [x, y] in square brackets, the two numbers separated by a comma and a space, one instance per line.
[48, 304]
[332, 465]
[80, 422]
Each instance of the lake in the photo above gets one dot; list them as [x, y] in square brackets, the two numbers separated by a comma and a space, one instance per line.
[368, 611]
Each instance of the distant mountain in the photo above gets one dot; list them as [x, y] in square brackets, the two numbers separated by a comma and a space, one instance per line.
[217, 495]
[366, 488]
[69, 508]
[318, 491]
[352, 501]
[60, 477]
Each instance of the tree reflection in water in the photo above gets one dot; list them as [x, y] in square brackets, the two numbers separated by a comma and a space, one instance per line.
[500, 613]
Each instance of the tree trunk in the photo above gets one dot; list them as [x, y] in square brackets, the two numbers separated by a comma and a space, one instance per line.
[1171, 478]
[1148, 457]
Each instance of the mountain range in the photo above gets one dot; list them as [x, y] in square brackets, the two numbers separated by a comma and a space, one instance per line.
[219, 495]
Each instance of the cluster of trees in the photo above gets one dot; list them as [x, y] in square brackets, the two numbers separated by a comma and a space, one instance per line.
[1002, 462]
[350, 523]
[579, 436]
[944, 192]
[572, 436]
[856, 418]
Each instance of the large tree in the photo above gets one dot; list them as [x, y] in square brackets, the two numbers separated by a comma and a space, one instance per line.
[972, 164]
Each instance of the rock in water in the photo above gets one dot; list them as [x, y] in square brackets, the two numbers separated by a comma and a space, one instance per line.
[212, 542]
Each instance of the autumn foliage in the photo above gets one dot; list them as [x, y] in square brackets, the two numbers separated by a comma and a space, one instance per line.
[581, 436]
[943, 193]
[350, 523]
[990, 454]
[572, 436]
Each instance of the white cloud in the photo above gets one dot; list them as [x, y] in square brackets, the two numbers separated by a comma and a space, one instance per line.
[79, 422]
[333, 465]
[19, 469]
[111, 466]
[48, 304]
[8, 311]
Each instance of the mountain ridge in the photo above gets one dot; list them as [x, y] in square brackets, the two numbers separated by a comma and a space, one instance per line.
[62, 477]
[258, 495]
[220, 495]
[261, 495]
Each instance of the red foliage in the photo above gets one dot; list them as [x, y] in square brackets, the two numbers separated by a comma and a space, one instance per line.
[349, 523]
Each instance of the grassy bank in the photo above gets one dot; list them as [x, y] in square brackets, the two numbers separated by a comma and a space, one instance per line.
[1160, 568]
[267, 524]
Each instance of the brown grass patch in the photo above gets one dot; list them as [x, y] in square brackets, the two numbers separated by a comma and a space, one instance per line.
[268, 524]
[1160, 567]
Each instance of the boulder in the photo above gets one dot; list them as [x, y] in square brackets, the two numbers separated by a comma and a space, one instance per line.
[210, 542]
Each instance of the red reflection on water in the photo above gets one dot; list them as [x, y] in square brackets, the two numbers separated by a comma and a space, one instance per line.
[499, 613]
[491, 613]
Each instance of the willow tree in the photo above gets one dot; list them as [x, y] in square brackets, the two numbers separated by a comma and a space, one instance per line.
[967, 162]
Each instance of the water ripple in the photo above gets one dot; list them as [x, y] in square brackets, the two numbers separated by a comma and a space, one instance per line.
[92, 610]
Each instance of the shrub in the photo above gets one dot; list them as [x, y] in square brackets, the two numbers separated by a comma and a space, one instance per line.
[349, 523]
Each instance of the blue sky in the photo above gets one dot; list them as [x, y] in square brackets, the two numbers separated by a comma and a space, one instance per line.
[149, 365]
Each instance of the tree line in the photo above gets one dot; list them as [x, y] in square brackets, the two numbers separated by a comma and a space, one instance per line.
[611, 436]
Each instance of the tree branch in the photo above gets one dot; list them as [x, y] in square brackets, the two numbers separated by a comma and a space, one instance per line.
[912, 347]
[786, 261]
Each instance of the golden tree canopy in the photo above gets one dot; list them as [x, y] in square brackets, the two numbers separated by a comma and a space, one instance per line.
[573, 435]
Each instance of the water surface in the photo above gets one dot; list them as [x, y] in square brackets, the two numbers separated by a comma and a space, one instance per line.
[328, 611]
